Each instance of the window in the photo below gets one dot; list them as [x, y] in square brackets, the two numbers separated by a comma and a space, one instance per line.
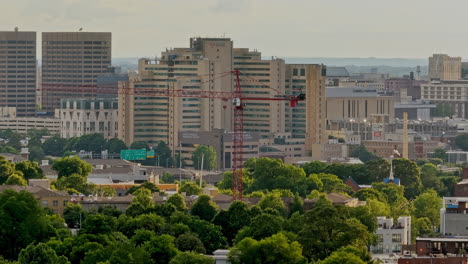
[44, 203]
[302, 72]
[55, 203]
[396, 237]
[294, 72]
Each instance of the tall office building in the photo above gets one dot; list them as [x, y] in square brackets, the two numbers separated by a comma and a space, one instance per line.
[444, 67]
[265, 79]
[71, 63]
[18, 71]
[308, 119]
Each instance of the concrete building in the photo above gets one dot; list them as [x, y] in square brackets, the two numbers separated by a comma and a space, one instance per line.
[18, 71]
[444, 67]
[359, 104]
[87, 116]
[417, 110]
[71, 63]
[308, 119]
[411, 86]
[329, 151]
[418, 149]
[453, 217]
[221, 141]
[335, 75]
[392, 236]
[453, 95]
[23, 124]
[282, 146]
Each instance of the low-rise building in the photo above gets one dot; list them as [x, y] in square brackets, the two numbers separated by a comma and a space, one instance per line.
[23, 124]
[391, 236]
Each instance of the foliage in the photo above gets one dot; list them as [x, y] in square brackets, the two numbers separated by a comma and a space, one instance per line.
[262, 226]
[115, 145]
[165, 154]
[363, 154]
[139, 145]
[74, 182]
[147, 185]
[167, 178]
[428, 205]
[73, 214]
[54, 146]
[71, 165]
[6, 169]
[23, 221]
[191, 258]
[36, 153]
[226, 182]
[442, 110]
[430, 179]
[178, 201]
[342, 257]
[409, 175]
[189, 242]
[190, 188]
[461, 141]
[272, 201]
[30, 169]
[204, 208]
[440, 153]
[209, 157]
[40, 254]
[16, 179]
[277, 249]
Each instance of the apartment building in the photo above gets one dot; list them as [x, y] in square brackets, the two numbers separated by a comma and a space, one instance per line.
[87, 116]
[18, 71]
[392, 236]
[453, 95]
[71, 63]
[308, 119]
[24, 124]
[444, 67]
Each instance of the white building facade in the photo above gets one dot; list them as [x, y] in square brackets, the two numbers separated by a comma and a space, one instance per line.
[391, 236]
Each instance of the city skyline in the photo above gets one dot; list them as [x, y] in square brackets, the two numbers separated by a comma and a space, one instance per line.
[318, 28]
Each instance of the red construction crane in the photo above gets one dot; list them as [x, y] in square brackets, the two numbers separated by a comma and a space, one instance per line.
[235, 97]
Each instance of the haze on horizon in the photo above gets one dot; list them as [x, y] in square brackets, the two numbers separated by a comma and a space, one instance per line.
[293, 28]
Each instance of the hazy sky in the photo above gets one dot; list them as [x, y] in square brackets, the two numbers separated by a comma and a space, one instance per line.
[306, 28]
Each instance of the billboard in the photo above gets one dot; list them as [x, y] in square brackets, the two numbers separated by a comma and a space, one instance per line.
[133, 154]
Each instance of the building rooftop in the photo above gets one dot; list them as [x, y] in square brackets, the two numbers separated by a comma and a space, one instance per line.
[337, 72]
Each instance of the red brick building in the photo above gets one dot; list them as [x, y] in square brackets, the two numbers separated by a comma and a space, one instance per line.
[461, 189]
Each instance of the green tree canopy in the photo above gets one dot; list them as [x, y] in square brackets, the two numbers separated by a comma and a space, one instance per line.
[6, 169]
[440, 153]
[70, 165]
[191, 258]
[16, 179]
[178, 201]
[190, 188]
[189, 242]
[139, 145]
[277, 249]
[209, 157]
[461, 141]
[54, 146]
[30, 169]
[40, 254]
[204, 208]
[409, 175]
[428, 205]
[363, 154]
[165, 155]
[115, 145]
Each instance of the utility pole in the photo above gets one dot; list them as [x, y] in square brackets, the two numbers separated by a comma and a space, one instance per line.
[201, 170]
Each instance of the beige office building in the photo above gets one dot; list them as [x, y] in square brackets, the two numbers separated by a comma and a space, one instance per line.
[71, 63]
[444, 67]
[152, 113]
[308, 119]
[18, 71]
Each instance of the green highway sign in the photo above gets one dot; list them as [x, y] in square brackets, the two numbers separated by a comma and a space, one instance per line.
[150, 154]
[133, 154]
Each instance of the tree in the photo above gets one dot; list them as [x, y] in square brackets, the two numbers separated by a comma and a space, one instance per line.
[70, 165]
[30, 169]
[204, 208]
[428, 205]
[147, 185]
[74, 183]
[430, 179]
[234, 219]
[16, 179]
[331, 183]
[6, 169]
[139, 145]
[409, 175]
[270, 174]
[165, 154]
[167, 178]
[440, 154]
[98, 224]
[23, 221]
[363, 154]
[73, 215]
[314, 167]
[272, 201]
[178, 201]
[190, 188]
[461, 141]
[370, 193]
[421, 227]
[209, 157]
[277, 249]
[209, 234]
[40, 254]
[115, 145]
[54, 146]
[342, 257]
[191, 258]
[189, 242]
[91, 142]
[161, 248]
[261, 226]
[36, 153]
[142, 203]
[377, 169]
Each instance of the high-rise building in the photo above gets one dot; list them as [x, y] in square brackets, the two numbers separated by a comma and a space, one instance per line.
[266, 79]
[206, 66]
[444, 67]
[71, 63]
[308, 119]
[18, 71]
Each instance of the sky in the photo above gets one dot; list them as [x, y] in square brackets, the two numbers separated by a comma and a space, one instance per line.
[282, 28]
